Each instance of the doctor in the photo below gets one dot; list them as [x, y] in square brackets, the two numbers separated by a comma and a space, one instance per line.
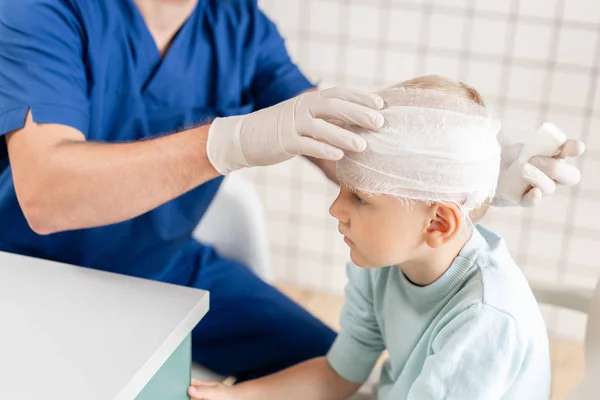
[120, 118]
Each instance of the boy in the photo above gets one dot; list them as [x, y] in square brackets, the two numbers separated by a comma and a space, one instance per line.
[445, 299]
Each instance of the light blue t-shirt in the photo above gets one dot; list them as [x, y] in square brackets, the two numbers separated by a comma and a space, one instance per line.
[475, 333]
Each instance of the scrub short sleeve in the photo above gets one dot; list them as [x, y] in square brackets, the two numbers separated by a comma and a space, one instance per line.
[276, 78]
[41, 65]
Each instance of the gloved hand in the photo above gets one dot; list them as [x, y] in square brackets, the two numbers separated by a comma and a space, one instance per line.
[542, 173]
[301, 125]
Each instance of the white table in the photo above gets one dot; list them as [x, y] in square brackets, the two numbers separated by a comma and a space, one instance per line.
[71, 333]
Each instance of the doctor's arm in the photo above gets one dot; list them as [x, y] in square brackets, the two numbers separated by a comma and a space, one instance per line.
[64, 182]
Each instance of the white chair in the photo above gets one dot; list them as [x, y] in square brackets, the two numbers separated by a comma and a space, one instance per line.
[585, 301]
[235, 225]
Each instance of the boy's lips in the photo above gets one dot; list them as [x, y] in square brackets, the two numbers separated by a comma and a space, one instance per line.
[346, 239]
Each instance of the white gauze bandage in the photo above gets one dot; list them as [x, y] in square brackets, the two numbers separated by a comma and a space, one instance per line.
[434, 147]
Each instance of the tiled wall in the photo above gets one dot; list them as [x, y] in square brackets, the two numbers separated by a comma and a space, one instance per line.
[534, 60]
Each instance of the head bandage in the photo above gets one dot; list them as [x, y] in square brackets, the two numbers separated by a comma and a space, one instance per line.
[434, 147]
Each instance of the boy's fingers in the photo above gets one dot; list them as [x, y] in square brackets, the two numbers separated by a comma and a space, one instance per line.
[198, 382]
[201, 392]
[204, 390]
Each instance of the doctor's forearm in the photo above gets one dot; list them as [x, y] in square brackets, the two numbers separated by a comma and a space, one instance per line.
[80, 184]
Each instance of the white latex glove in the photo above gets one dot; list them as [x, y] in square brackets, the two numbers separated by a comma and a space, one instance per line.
[542, 173]
[301, 125]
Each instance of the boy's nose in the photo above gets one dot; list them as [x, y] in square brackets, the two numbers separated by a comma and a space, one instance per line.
[337, 211]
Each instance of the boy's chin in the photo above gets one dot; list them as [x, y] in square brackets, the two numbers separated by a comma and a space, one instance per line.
[360, 261]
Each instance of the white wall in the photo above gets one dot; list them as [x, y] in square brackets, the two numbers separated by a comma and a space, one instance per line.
[532, 59]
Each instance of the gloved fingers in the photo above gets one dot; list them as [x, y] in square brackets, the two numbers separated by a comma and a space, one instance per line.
[313, 148]
[538, 179]
[558, 170]
[571, 148]
[334, 135]
[351, 113]
[356, 96]
[531, 198]
[336, 122]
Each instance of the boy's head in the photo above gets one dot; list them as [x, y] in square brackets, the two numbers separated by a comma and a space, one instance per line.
[435, 160]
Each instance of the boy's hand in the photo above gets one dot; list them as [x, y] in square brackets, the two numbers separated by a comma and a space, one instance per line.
[205, 390]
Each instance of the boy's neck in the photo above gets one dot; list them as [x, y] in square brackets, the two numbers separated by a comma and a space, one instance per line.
[428, 268]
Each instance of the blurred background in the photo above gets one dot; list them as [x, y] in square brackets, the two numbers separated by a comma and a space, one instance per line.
[532, 60]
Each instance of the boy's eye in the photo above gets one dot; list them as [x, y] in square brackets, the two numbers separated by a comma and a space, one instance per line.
[358, 199]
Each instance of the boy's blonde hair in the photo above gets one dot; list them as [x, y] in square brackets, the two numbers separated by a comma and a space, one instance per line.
[442, 84]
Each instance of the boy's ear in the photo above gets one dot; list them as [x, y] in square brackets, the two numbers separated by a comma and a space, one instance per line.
[445, 221]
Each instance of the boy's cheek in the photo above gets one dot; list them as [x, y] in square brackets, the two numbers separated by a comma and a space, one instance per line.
[390, 252]
[371, 255]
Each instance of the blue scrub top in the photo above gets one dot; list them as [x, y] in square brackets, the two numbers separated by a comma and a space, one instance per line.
[94, 65]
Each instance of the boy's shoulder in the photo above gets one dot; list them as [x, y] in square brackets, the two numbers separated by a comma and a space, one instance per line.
[499, 283]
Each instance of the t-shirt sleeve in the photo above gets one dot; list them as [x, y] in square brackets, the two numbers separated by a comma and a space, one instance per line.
[477, 355]
[359, 344]
[41, 65]
[277, 78]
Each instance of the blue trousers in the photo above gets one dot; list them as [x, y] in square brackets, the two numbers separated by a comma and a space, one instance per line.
[252, 329]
